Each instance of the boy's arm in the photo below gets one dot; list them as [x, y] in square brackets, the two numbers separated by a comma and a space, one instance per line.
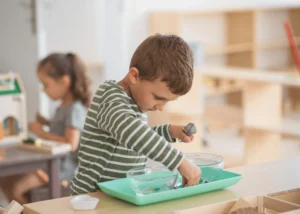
[164, 131]
[120, 121]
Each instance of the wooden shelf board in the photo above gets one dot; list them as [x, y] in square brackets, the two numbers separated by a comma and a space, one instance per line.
[246, 74]
[220, 91]
[289, 128]
[246, 47]
[229, 49]
[276, 43]
[198, 13]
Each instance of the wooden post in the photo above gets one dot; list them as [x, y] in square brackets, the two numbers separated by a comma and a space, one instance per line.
[54, 184]
[262, 120]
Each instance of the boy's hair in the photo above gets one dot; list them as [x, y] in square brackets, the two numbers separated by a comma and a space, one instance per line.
[167, 57]
[58, 64]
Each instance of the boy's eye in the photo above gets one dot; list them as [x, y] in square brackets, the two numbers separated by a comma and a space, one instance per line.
[158, 98]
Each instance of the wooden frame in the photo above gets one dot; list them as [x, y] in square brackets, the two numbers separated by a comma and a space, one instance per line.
[259, 203]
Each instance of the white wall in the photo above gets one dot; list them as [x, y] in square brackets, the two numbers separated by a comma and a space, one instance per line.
[76, 26]
[115, 39]
[68, 25]
[19, 49]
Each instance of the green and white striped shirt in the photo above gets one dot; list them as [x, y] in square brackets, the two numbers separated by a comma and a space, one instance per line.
[116, 138]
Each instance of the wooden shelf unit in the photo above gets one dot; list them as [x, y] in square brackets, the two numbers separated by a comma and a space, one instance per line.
[247, 38]
[261, 117]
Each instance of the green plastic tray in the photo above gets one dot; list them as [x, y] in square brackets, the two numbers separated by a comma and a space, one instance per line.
[121, 189]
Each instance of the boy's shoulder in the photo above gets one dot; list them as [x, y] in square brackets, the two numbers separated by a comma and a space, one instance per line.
[111, 90]
[109, 84]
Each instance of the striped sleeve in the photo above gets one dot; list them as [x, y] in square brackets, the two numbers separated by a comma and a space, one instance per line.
[119, 120]
[163, 130]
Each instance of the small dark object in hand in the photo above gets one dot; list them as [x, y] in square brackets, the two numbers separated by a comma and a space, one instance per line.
[190, 129]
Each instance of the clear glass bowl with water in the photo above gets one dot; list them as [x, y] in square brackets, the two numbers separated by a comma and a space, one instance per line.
[149, 180]
[210, 164]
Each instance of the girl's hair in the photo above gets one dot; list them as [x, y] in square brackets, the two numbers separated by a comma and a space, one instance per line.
[57, 65]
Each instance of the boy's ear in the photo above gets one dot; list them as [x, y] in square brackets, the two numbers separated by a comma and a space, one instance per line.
[133, 75]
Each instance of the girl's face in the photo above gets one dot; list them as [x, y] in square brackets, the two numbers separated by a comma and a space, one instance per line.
[56, 89]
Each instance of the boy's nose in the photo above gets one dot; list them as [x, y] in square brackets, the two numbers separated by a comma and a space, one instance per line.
[159, 107]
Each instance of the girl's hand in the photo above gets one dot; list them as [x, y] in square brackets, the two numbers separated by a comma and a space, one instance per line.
[177, 132]
[36, 128]
[41, 119]
[43, 176]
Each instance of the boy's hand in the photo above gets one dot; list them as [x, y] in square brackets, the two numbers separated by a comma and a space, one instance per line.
[177, 132]
[36, 128]
[190, 173]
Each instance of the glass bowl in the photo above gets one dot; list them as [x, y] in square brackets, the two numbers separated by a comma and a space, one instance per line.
[210, 164]
[147, 180]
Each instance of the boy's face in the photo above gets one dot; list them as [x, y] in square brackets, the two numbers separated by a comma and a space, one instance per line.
[150, 95]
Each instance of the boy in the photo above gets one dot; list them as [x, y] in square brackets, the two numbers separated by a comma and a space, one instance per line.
[116, 137]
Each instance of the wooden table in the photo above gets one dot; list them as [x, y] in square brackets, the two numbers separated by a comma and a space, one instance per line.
[257, 179]
[15, 161]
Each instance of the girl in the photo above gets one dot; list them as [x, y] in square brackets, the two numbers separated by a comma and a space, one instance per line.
[64, 78]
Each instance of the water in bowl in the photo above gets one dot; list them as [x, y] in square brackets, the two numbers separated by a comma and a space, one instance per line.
[152, 182]
[210, 164]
